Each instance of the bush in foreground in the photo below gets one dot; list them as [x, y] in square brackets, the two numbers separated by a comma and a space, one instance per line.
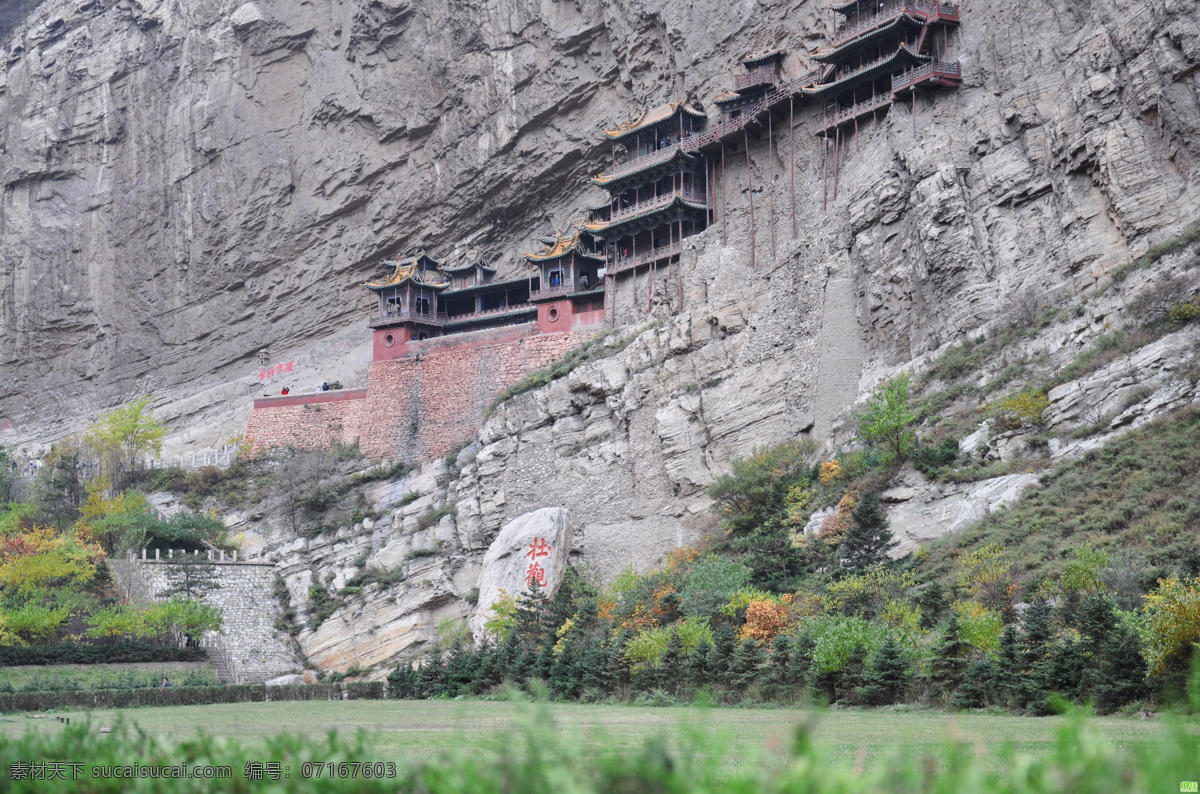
[534, 761]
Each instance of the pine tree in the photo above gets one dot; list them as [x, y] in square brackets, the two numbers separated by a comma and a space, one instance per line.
[1097, 618]
[887, 675]
[1036, 631]
[565, 674]
[671, 665]
[775, 675]
[743, 670]
[595, 669]
[932, 604]
[1007, 668]
[431, 680]
[949, 660]
[532, 615]
[977, 687]
[724, 643]
[868, 539]
[699, 668]
[1122, 669]
[401, 682]
[850, 677]
[800, 660]
[544, 663]
[190, 576]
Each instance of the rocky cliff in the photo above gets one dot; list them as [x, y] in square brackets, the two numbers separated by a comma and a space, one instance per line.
[185, 184]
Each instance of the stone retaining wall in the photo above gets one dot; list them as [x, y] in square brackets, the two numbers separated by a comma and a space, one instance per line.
[253, 645]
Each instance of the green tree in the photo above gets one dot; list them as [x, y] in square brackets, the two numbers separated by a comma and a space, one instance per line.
[9, 482]
[887, 675]
[888, 419]
[949, 661]
[868, 539]
[933, 604]
[190, 576]
[124, 436]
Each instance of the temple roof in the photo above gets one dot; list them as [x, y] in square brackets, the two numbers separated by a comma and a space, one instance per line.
[678, 201]
[559, 246]
[758, 58]
[661, 157]
[847, 7]
[831, 54]
[654, 116]
[901, 55]
[726, 97]
[491, 285]
[466, 261]
[419, 269]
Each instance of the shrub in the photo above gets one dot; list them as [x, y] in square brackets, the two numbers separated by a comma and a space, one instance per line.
[1026, 409]
[929, 458]
[755, 490]
[987, 573]
[426, 520]
[188, 696]
[888, 419]
[125, 651]
[1182, 313]
[1172, 624]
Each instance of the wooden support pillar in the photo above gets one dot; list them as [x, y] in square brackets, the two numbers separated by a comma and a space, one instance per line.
[724, 203]
[837, 146]
[824, 171]
[792, 156]
[771, 178]
[750, 182]
[914, 110]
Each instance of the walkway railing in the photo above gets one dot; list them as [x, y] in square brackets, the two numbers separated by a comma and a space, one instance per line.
[623, 263]
[658, 202]
[852, 112]
[926, 71]
[397, 315]
[763, 75]
[637, 163]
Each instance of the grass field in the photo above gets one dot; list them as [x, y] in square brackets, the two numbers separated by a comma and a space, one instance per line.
[424, 729]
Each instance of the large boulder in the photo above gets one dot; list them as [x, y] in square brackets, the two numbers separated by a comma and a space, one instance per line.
[532, 545]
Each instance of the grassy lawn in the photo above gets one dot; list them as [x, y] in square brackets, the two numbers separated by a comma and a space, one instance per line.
[97, 676]
[423, 729]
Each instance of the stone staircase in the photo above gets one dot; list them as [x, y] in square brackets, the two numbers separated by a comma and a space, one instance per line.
[220, 664]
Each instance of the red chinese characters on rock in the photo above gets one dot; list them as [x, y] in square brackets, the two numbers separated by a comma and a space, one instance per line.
[276, 369]
[536, 573]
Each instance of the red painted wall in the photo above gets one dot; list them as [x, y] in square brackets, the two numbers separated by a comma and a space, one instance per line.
[418, 406]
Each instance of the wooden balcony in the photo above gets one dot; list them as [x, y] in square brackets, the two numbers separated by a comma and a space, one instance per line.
[623, 263]
[846, 115]
[890, 12]
[658, 202]
[635, 164]
[379, 318]
[755, 78]
[935, 72]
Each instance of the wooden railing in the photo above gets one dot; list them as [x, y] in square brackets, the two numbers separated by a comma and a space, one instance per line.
[658, 202]
[637, 163]
[516, 307]
[763, 75]
[855, 110]
[641, 258]
[926, 71]
[415, 315]
[722, 129]
[926, 11]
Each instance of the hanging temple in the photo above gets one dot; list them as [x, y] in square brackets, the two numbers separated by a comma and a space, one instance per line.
[666, 182]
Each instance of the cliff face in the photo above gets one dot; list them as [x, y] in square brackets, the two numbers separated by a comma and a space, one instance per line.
[185, 184]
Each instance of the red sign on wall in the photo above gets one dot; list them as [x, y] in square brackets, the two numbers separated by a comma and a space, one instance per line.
[276, 369]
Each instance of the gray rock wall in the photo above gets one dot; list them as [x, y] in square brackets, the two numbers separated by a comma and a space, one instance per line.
[185, 184]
